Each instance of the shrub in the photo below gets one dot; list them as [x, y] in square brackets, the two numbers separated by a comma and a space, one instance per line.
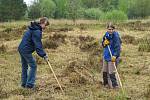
[144, 44]
[8, 30]
[93, 13]
[59, 37]
[128, 39]
[86, 38]
[114, 15]
[50, 44]
[54, 41]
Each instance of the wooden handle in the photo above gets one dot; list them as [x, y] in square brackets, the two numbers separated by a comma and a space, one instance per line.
[55, 76]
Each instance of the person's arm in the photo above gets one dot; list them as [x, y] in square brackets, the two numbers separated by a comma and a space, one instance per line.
[106, 40]
[36, 37]
[117, 45]
[103, 41]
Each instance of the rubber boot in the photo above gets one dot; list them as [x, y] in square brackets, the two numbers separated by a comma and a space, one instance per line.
[105, 78]
[113, 80]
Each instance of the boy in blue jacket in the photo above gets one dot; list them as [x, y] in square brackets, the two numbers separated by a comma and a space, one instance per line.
[31, 42]
[112, 39]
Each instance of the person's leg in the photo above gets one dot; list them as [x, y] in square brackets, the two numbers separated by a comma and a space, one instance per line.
[105, 74]
[24, 73]
[112, 74]
[32, 72]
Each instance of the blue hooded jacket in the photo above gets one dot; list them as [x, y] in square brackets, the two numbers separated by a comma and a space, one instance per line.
[115, 45]
[31, 40]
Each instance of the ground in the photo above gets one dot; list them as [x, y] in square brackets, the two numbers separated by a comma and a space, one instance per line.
[75, 55]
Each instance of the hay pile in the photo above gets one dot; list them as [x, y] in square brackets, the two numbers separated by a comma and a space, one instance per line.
[12, 33]
[127, 39]
[144, 44]
[53, 42]
[3, 48]
[78, 73]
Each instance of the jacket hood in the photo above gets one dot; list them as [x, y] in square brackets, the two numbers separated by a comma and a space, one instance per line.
[35, 26]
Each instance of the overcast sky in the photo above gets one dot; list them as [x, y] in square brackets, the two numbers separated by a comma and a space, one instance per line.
[28, 1]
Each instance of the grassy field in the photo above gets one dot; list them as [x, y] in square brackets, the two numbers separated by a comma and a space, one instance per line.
[76, 57]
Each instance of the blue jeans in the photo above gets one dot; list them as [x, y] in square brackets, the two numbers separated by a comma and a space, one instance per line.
[28, 77]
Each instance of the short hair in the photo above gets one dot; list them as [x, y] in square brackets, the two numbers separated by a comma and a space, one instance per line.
[43, 20]
[110, 25]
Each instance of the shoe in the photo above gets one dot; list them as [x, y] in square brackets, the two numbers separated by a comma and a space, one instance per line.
[23, 85]
[30, 86]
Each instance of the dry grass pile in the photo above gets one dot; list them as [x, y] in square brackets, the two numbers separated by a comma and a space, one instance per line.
[12, 33]
[3, 48]
[88, 43]
[59, 29]
[54, 41]
[94, 49]
[127, 39]
[78, 73]
[144, 44]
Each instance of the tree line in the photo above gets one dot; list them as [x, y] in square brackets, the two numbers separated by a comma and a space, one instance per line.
[75, 9]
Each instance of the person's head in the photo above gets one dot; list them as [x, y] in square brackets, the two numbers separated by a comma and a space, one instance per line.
[44, 22]
[110, 28]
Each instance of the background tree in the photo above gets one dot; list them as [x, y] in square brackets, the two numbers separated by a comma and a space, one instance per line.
[92, 3]
[75, 10]
[34, 10]
[108, 5]
[61, 8]
[12, 9]
[139, 8]
[123, 5]
[47, 8]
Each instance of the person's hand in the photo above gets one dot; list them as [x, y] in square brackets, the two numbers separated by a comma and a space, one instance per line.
[46, 58]
[113, 59]
[106, 42]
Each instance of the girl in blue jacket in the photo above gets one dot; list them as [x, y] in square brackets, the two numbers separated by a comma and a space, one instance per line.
[112, 39]
[31, 42]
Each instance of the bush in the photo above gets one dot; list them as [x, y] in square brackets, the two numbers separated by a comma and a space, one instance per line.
[86, 38]
[90, 44]
[50, 44]
[144, 45]
[144, 48]
[54, 41]
[128, 39]
[93, 13]
[8, 30]
[114, 15]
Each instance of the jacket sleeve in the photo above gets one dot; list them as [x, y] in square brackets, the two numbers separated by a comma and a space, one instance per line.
[106, 36]
[103, 41]
[117, 45]
[36, 37]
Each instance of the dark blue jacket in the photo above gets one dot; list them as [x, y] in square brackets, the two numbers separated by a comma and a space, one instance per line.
[31, 40]
[115, 45]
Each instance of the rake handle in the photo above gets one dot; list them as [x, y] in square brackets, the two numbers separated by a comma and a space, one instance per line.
[55, 76]
[115, 68]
